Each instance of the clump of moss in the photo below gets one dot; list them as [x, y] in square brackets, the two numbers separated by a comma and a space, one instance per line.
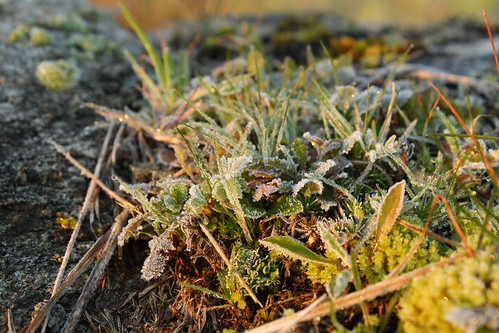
[57, 75]
[40, 36]
[318, 273]
[392, 249]
[70, 23]
[89, 46]
[19, 32]
[471, 284]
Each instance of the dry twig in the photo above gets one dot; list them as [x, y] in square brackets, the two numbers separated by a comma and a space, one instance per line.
[84, 210]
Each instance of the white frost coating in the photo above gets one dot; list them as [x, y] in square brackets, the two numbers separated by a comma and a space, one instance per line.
[472, 320]
[391, 144]
[314, 186]
[324, 167]
[372, 156]
[350, 141]
[154, 265]
[132, 229]
[233, 166]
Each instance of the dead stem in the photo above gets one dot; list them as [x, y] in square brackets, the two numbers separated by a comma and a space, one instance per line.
[414, 248]
[125, 203]
[492, 173]
[79, 269]
[84, 210]
[99, 267]
[489, 31]
[10, 321]
[429, 233]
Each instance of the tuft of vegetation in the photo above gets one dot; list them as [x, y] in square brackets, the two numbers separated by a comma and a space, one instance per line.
[313, 184]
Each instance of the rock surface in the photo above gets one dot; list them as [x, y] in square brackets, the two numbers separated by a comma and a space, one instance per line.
[36, 182]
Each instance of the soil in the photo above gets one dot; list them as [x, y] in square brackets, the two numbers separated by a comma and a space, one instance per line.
[36, 182]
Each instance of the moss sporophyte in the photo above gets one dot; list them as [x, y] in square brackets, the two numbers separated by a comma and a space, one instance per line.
[310, 185]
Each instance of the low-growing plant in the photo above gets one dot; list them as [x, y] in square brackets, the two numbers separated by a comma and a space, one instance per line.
[288, 162]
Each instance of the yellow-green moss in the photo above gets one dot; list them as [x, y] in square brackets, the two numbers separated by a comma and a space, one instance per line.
[40, 36]
[57, 75]
[19, 32]
[392, 249]
[470, 284]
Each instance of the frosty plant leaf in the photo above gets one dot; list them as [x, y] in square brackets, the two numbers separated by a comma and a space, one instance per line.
[286, 205]
[333, 245]
[390, 209]
[339, 284]
[290, 247]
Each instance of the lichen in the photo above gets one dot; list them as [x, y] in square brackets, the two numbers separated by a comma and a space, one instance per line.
[57, 75]
[471, 283]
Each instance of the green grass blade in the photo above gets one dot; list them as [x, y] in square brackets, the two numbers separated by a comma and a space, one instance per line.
[290, 247]
[205, 290]
[338, 121]
[155, 58]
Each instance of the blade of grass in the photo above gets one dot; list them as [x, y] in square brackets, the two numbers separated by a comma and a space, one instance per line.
[205, 290]
[151, 51]
[486, 137]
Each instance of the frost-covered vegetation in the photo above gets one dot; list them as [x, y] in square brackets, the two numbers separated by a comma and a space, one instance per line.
[296, 173]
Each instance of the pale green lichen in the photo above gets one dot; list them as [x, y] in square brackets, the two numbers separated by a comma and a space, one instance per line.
[57, 75]
[90, 46]
[472, 283]
[40, 36]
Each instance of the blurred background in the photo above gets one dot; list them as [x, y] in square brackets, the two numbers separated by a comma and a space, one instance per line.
[154, 13]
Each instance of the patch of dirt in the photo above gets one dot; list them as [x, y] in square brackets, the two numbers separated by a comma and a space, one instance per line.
[36, 182]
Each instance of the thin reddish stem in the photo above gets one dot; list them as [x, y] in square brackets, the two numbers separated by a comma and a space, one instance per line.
[489, 31]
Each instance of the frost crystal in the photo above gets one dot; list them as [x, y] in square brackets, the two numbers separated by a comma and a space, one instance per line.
[266, 189]
[324, 167]
[350, 141]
